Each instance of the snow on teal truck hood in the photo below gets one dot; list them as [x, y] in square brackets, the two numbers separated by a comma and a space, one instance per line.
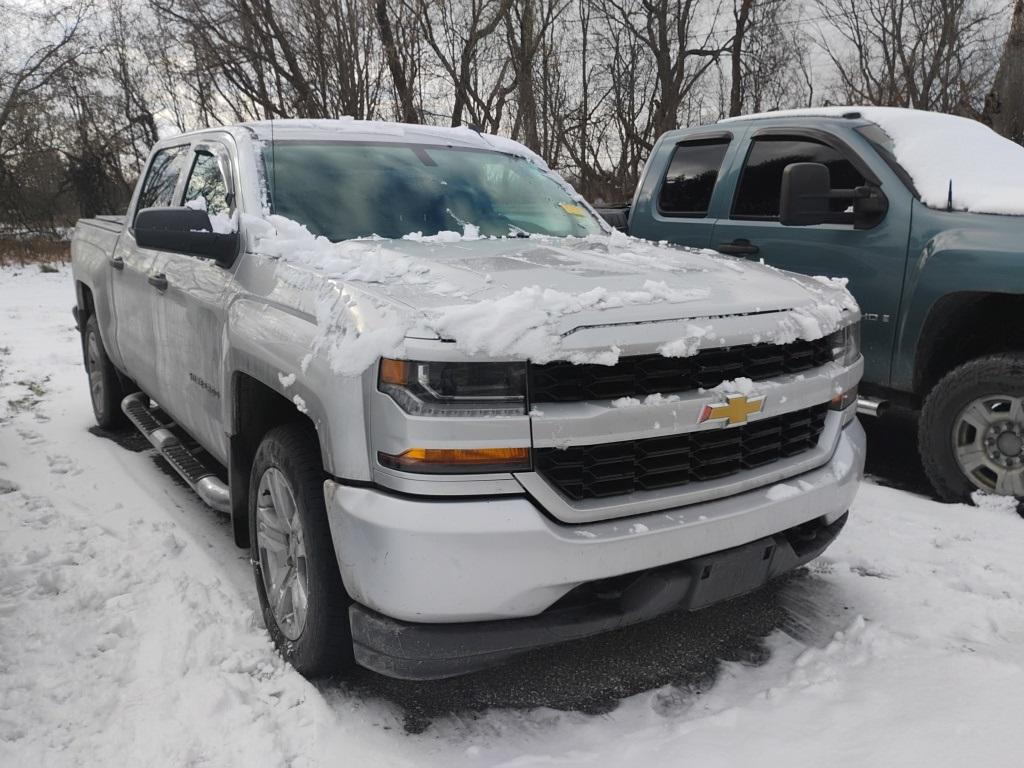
[518, 297]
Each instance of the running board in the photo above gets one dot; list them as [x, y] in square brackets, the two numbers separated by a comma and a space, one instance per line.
[200, 477]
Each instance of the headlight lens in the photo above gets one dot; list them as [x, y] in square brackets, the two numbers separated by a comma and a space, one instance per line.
[455, 389]
[846, 344]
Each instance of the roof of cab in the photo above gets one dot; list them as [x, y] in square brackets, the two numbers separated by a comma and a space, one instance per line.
[853, 114]
[350, 129]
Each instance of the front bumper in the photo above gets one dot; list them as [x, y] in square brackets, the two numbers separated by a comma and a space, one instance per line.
[431, 651]
[437, 560]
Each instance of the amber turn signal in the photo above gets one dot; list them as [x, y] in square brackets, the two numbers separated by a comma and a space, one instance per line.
[843, 400]
[393, 371]
[454, 460]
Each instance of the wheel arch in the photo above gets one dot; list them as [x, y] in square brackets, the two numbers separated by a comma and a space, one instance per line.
[256, 408]
[963, 326]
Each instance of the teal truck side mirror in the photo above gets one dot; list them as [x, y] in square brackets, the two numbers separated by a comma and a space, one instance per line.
[807, 192]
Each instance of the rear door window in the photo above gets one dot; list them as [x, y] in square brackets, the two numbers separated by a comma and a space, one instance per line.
[757, 196]
[162, 178]
[690, 179]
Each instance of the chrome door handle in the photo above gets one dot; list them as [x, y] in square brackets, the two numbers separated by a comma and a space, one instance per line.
[116, 262]
[158, 281]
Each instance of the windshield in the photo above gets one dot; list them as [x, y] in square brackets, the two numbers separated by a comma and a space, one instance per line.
[344, 190]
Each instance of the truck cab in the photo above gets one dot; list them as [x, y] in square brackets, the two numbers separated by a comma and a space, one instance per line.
[938, 278]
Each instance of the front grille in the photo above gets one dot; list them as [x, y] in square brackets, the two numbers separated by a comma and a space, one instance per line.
[563, 382]
[613, 469]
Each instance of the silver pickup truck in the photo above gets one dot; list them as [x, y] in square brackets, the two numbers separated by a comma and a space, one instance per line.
[452, 413]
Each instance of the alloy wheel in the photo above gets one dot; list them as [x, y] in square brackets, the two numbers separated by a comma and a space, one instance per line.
[95, 371]
[282, 552]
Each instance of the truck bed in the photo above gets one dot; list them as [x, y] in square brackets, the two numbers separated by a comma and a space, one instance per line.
[108, 223]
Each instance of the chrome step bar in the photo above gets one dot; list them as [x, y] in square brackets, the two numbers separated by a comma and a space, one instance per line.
[199, 476]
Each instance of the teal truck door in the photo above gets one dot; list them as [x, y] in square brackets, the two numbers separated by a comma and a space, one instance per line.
[680, 199]
[873, 259]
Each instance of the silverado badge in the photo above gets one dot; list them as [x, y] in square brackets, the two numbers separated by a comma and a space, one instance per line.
[736, 409]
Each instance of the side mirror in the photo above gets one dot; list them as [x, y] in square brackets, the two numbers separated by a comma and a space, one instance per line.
[184, 230]
[805, 194]
[807, 190]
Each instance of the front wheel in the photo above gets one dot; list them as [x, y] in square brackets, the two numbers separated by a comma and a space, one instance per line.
[971, 432]
[304, 604]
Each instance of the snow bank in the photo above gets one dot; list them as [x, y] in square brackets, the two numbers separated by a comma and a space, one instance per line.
[987, 171]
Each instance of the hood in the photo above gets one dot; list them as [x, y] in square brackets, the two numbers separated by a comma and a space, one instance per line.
[618, 280]
[535, 298]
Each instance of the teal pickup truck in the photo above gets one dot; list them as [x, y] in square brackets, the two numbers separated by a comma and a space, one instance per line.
[922, 212]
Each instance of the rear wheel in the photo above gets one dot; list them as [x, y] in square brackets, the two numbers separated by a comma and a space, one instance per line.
[304, 604]
[971, 433]
[105, 389]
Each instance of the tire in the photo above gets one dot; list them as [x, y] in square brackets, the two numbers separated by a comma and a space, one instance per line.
[288, 466]
[105, 389]
[953, 439]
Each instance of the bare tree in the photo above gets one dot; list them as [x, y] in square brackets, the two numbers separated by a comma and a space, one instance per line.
[926, 54]
[30, 70]
[741, 13]
[531, 48]
[309, 58]
[664, 30]
[768, 58]
[457, 31]
[27, 76]
[1004, 105]
[402, 68]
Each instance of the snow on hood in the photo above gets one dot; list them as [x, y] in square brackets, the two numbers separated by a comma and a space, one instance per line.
[519, 297]
[987, 171]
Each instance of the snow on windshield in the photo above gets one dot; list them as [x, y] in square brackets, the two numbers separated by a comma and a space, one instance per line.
[986, 170]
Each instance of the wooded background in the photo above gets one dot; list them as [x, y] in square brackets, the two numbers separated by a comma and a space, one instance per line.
[87, 86]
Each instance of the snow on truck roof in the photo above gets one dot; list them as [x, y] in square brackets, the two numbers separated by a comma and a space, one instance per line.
[986, 170]
[378, 130]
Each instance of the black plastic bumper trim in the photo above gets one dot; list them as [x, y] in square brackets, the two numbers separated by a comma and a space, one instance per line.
[414, 651]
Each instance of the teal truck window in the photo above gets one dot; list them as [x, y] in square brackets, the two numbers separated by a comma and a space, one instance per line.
[690, 179]
[761, 182]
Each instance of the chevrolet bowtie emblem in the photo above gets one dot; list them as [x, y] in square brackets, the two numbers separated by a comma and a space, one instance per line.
[736, 409]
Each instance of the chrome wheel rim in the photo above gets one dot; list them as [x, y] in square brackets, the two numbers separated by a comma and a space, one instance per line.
[95, 372]
[282, 553]
[988, 442]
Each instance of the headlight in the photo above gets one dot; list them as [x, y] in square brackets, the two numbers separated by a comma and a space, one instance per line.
[845, 344]
[455, 389]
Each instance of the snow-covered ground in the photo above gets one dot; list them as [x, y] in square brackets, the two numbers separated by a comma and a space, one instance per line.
[130, 635]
